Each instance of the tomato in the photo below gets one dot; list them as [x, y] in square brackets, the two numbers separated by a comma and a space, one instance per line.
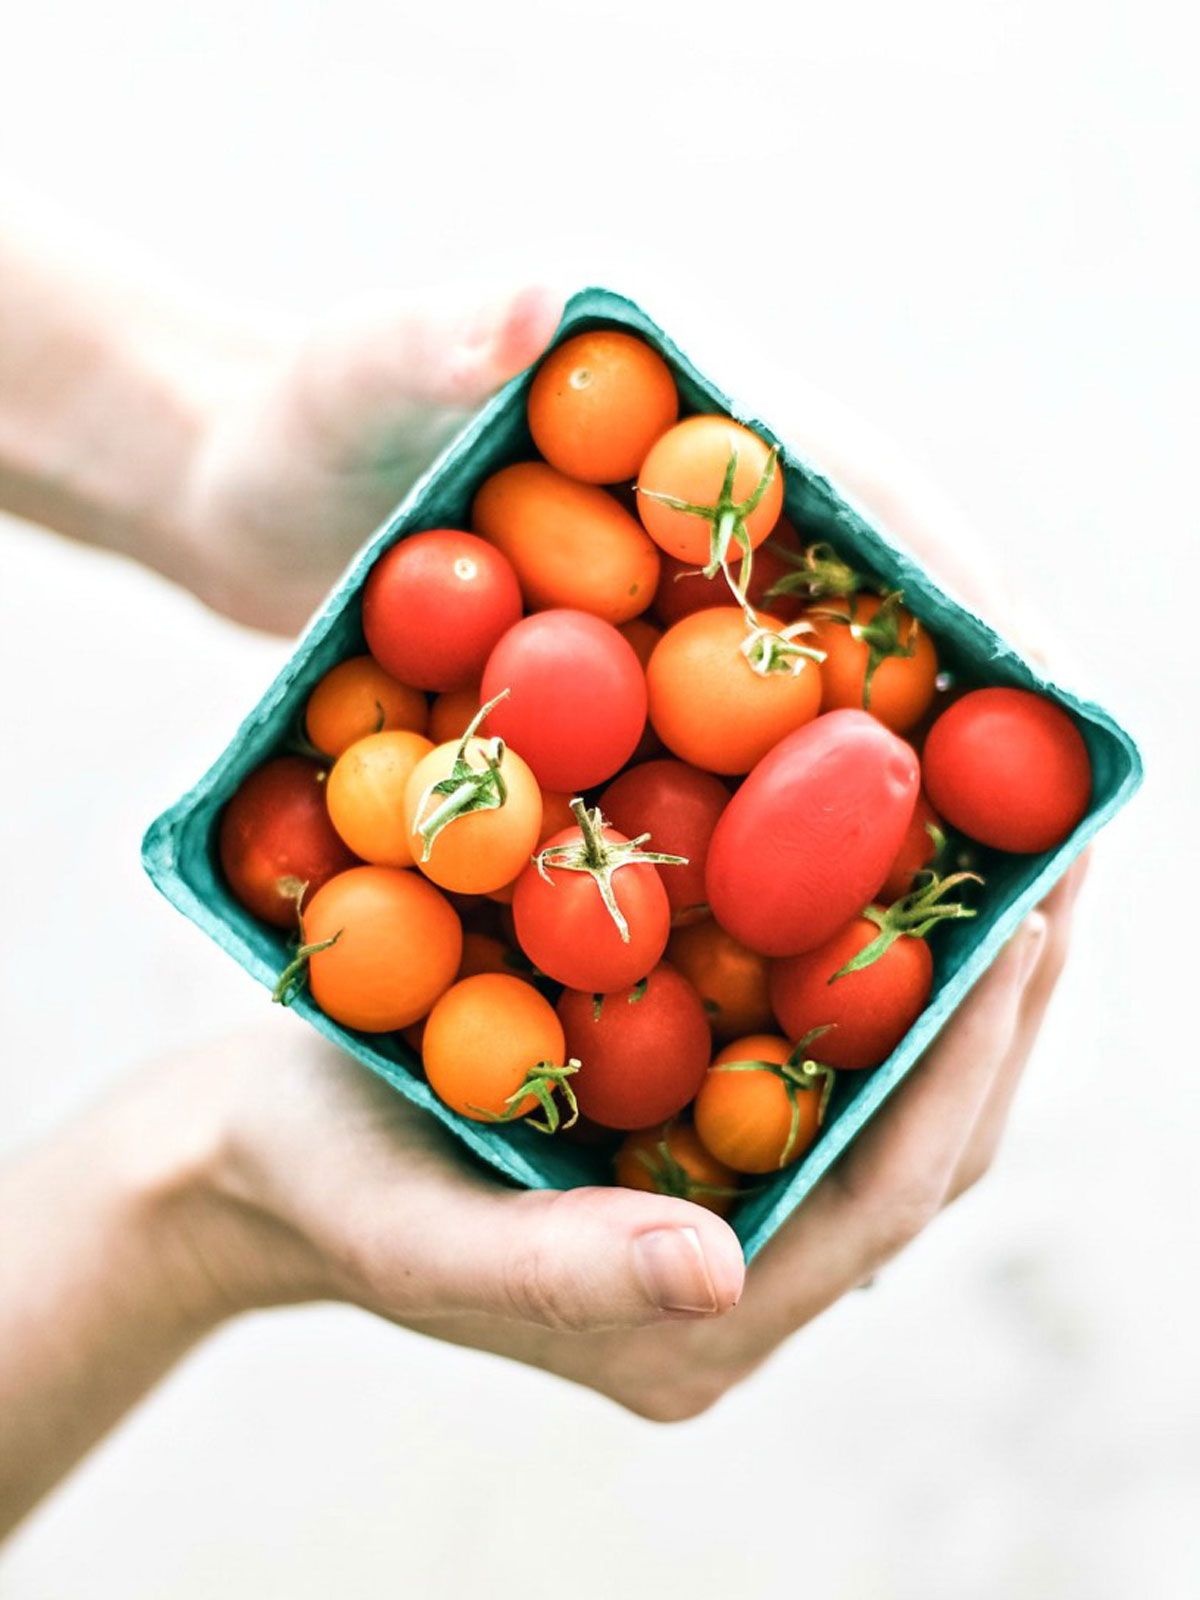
[483, 952]
[919, 849]
[365, 795]
[571, 545]
[678, 807]
[435, 604]
[881, 659]
[708, 703]
[493, 1051]
[868, 1012]
[473, 811]
[577, 700]
[397, 946]
[276, 842]
[452, 713]
[1008, 768]
[643, 636]
[689, 464]
[570, 930]
[761, 1119]
[671, 1160]
[642, 1054]
[357, 697]
[598, 402]
[683, 588]
[556, 815]
[730, 978]
[810, 836]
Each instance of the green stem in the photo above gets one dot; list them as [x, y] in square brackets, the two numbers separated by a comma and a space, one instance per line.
[466, 788]
[292, 978]
[914, 916]
[601, 858]
[541, 1082]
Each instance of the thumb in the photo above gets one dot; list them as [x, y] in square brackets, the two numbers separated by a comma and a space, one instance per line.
[581, 1260]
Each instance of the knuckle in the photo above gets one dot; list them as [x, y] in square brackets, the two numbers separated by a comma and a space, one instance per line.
[534, 1293]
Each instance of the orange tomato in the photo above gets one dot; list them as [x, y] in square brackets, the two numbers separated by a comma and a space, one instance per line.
[707, 703]
[483, 952]
[731, 979]
[643, 636]
[397, 946]
[684, 1168]
[689, 463]
[485, 1040]
[479, 850]
[757, 1121]
[358, 697]
[365, 795]
[556, 815]
[572, 545]
[598, 402]
[902, 686]
[452, 713]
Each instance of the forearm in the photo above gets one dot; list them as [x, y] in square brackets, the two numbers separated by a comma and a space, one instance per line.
[103, 1285]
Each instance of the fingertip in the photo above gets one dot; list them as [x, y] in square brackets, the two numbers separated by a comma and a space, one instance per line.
[689, 1263]
[524, 327]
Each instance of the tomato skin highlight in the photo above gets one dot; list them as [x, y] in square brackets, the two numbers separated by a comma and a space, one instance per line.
[678, 806]
[1009, 769]
[696, 1163]
[745, 1118]
[598, 402]
[481, 850]
[577, 698]
[571, 545]
[809, 837]
[730, 978]
[902, 687]
[644, 1057]
[483, 1038]
[565, 929]
[868, 1012]
[435, 604]
[689, 462]
[358, 697]
[275, 834]
[398, 947]
[709, 706]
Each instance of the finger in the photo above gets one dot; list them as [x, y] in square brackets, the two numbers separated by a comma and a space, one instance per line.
[578, 1261]
[894, 1177]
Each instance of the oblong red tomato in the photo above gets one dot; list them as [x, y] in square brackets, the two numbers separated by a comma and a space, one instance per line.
[809, 837]
[643, 1054]
[678, 806]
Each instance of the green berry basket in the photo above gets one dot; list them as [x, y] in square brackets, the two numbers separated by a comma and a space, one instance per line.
[180, 848]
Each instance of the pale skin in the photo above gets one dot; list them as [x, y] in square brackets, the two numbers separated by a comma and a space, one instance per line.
[273, 1170]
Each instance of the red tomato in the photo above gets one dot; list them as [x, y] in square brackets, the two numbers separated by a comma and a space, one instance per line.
[276, 842]
[809, 837]
[689, 464]
[576, 705]
[568, 931]
[597, 404]
[435, 604]
[868, 1012]
[919, 850]
[643, 1054]
[1009, 769]
[683, 589]
[678, 807]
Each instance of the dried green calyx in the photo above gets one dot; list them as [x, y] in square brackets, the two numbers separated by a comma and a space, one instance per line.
[819, 573]
[799, 1074]
[601, 857]
[880, 633]
[670, 1178]
[541, 1081]
[914, 916]
[772, 650]
[727, 520]
[465, 788]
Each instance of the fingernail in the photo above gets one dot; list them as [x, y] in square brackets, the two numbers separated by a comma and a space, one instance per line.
[673, 1271]
[1032, 936]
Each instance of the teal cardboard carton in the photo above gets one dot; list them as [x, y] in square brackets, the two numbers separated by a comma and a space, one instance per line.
[180, 854]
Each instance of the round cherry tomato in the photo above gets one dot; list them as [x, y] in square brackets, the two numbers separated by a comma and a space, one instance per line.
[730, 978]
[597, 404]
[708, 703]
[570, 544]
[566, 929]
[678, 807]
[809, 837]
[1009, 769]
[642, 1054]
[760, 1121]
[365, 795]
[487, 1039]
[683, 588]
[396, 946]
[276, 842]
[671, 1160]
[357, 697]
[435, 604]
[920, 849]
[577, 698]
[689, 463]
[868, 1012]
[484, 843]
[452, 713]
[883, 641]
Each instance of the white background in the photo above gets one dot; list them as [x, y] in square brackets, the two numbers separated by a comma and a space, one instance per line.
[978, 223]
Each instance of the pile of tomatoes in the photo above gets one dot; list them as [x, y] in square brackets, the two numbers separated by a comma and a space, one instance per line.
[635, 814]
